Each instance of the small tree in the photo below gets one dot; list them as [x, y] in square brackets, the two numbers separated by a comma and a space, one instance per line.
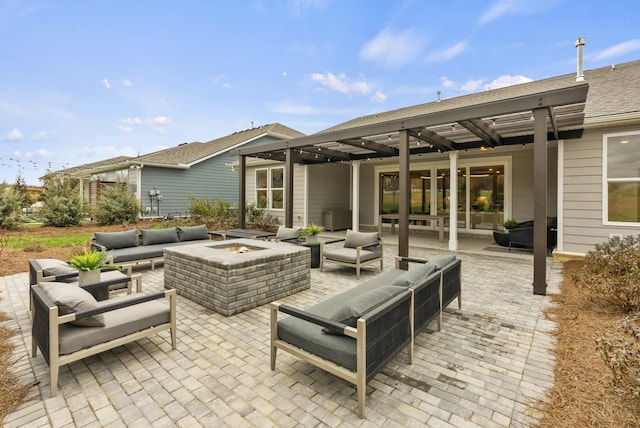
[116, 206]
[10, 209]
[63, 205]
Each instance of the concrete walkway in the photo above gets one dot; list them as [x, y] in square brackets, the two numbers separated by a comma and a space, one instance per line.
[488, 366]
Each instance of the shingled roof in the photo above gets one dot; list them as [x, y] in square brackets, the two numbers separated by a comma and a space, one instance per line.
[89, 167]
[191, 153]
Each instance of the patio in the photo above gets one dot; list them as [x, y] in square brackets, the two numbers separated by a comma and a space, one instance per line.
[487, 367]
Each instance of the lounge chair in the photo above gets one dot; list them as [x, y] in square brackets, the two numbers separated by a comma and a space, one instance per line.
[360, 249]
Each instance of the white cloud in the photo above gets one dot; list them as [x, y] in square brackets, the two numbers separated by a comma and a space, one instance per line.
[125, 129]
[447, 83]
[393, 49]
[448, 53]
[379, 97]
[341, 83]
[39, 136]
[127, 83]
[131, 121]
[285, 107]
[159, 124]
[472, 85]
[106, 83]
[507, 80]
[284, 74]
[514, 7]
[15, 135]
[619, 49]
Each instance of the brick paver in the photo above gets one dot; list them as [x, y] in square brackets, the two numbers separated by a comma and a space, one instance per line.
[488, 367]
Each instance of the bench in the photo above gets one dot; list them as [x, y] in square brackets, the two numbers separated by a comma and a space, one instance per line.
[130, 248]
[68, 324]
[355, 334]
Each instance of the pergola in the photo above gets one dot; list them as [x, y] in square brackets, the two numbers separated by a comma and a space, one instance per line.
[473, 122]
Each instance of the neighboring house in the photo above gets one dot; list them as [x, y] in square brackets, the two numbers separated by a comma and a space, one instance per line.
[165, 181]
[591, 164]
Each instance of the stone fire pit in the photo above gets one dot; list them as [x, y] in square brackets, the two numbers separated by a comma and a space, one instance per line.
[232, 276]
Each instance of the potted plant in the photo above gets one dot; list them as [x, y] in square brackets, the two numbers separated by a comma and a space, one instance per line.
[89, 264]
[310, 234]
[510, 224]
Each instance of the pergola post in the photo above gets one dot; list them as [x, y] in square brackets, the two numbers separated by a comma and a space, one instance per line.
[288, 199]
[540, 201]
[405, 195]
[453, 198]
[242, 197]
[355, 197]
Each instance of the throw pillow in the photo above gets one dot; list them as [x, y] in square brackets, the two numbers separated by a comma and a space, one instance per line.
[287, 232]
[442, 261]
[360, 239]
[193, 233]
[350, 311]
[71, 299]
[115, 240]
[414, 275]
[159, 236]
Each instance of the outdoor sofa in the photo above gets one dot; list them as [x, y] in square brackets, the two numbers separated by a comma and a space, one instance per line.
[68, 324]
[355, 334]
[131, 248]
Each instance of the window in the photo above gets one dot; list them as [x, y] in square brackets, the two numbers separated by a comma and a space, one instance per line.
[270, 188]
[622, 178]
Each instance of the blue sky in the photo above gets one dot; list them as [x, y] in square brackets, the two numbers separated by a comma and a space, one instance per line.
[82, 81]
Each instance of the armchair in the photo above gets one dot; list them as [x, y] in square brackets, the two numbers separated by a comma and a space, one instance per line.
[68, 324]
[360, 249]
[286, 234]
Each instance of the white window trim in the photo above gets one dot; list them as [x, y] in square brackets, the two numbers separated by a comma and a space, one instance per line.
[606, 181]
[269, 189]
[434, 166]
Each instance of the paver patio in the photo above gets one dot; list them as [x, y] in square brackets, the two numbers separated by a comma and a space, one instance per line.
[487, 367]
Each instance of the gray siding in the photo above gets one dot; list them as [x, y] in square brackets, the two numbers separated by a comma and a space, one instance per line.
[583, 219]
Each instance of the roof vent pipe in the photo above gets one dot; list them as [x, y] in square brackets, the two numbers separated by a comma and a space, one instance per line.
[580, 44]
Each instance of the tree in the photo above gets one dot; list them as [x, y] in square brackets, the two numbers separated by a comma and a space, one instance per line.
[63, 205]
[10, 209]
[116, 206]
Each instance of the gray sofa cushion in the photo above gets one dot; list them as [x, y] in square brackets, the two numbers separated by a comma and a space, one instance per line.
[351, 310]
[118, 323]
[159, 236]
[348, 255]
[287, 232]
[193, 233]
[54, 267]
[360, 239]
[442, 261]
[71, 299]
[122, 255]
[414, 275]
[115, 240]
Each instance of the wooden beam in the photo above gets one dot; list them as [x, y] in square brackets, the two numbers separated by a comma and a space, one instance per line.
[432, 138]
[483, 131]
[363, 143]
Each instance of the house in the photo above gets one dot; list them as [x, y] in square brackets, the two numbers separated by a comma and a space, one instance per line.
[164, 181]
[565, 147]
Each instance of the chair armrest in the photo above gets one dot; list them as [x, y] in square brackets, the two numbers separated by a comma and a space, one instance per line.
[95, 246]
[316, 319]
[136, 300]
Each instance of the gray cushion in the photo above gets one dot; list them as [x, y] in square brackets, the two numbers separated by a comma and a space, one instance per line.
[118, 323]
[287, 232]
[159, 236]
[122, 255]
[360, 239]
[348, 255]
[71, 299]
[350, 311]
[442, 261]
[414, 275]
[193, 233]
[114, 240]
[54, 267]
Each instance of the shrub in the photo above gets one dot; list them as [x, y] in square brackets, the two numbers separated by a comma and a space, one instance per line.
[257, 218]
[621, 354]
[10, 209]
[611, 273]
[63, 205]
[216, 213]
[116, 206]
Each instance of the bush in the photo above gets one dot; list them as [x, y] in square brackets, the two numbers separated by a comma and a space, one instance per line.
[611, 273]
[216, 214]
[63, 204]
[257, 218]
[621, 354]
[116, 206]
[10, 209]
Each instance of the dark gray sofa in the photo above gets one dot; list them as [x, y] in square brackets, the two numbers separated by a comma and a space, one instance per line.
[130, 247]
[356, 333]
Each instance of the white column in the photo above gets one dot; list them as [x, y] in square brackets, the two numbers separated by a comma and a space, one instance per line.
[453, 200]
[355, 195]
